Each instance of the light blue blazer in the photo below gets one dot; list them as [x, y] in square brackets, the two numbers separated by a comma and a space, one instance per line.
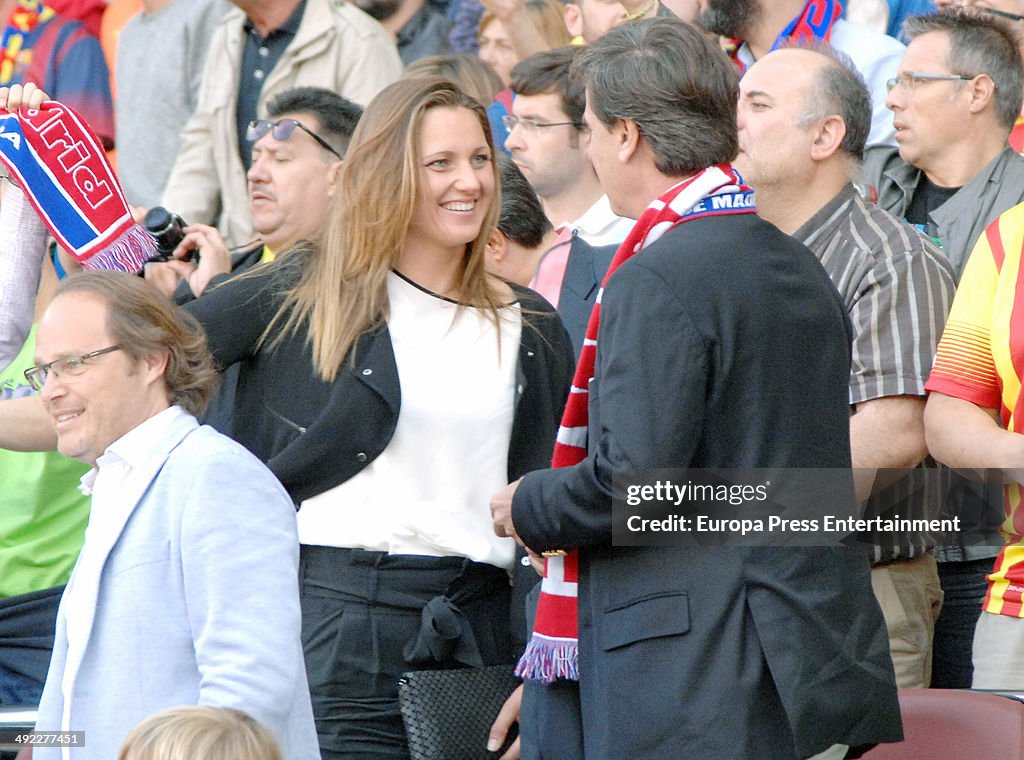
[197, 603]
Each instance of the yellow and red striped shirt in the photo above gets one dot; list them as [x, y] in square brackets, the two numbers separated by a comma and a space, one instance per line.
[980, 359]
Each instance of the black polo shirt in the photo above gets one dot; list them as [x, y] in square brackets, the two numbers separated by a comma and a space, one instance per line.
[259, 56]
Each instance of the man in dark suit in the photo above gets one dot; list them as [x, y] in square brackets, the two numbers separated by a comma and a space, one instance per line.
[583, 275]
[722, 344]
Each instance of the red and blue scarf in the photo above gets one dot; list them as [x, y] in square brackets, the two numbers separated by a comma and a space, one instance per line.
[815, 22]
[63, 170]
[553, 650]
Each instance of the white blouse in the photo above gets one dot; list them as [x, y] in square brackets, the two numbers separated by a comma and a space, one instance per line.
[428, 492]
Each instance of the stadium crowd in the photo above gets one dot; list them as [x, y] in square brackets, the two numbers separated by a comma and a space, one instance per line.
[331, 334]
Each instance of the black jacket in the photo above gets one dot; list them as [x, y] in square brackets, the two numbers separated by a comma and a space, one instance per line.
[722, 345]
[583, 276]
[315, 435]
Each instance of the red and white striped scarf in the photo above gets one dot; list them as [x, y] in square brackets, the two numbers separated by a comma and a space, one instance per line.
[553, 651]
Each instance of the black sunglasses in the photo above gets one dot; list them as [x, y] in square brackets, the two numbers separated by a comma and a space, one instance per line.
[282, 129]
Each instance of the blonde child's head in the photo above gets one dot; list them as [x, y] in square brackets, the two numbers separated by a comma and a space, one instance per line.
[200, 733]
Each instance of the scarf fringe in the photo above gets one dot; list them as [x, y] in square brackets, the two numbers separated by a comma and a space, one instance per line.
[82, 205]
[126, 253]
[547, 660]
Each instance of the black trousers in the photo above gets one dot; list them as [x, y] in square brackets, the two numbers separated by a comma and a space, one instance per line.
[550, 723]
[27, 624]
[368, 617]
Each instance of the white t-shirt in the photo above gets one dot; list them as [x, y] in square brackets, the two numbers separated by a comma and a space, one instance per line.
[429, 491]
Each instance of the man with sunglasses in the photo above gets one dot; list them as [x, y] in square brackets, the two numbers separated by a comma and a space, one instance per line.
[184, 592]
[261, 48]
[296, 156]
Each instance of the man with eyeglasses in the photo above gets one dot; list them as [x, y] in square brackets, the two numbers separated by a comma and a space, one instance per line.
[1013, 11]
[954, 101]
[296, 157]
[191, 546]
[549, 144]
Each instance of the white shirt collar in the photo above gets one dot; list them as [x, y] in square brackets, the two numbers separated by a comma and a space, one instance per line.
[597, 219]
[136, 446]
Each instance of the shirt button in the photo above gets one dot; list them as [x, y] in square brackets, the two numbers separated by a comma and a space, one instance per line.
[367, 371]
[525, 560]
[361, 456]
[264, 51]
[529, 353]
[257, 74]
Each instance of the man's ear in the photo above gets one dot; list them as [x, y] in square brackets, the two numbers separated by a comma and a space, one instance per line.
[828, 139]
[497, 246]
[583, 138]
[333, 173]
[627, 134]
[573, 19]
[982, 91]
[155, 365]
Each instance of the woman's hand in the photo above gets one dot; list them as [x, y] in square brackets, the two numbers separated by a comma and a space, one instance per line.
[507, 716]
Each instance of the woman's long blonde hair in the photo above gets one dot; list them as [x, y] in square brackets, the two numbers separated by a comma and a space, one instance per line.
[342, 292]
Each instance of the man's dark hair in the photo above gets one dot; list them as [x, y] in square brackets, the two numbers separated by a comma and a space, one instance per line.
[337, 115]
[979, 43]
[522, 217]
[548, 72]
[672, 81]
[731, 18]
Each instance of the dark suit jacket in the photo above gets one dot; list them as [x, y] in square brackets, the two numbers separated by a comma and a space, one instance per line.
[723, 344]
[583, 275]
[315, 435]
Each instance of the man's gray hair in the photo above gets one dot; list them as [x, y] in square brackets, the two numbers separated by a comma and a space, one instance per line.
[839, 89]
[672, 81]
[979, 43]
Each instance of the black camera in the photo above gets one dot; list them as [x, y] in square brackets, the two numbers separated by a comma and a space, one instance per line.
[167, 230]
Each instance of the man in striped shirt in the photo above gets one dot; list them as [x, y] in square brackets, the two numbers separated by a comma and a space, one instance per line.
[975, 420]
[804, 116]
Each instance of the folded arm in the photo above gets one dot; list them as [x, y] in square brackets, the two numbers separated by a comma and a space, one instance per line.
[963, 435]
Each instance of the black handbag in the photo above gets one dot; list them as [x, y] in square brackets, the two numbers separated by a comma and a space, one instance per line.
[448, 713]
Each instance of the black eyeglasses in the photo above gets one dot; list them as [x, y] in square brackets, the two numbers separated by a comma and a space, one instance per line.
[71, 366]
[532, 125]
[282, 129]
